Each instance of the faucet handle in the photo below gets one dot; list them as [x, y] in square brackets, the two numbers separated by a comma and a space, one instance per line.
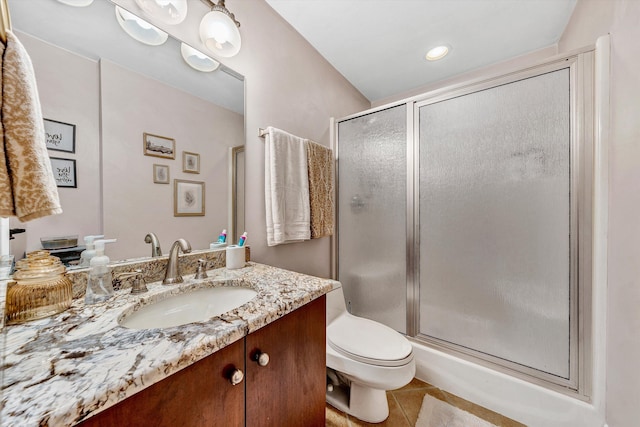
[137, 287]
[201, 272]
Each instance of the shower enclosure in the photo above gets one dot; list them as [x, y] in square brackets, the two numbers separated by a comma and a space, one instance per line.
[464, 220]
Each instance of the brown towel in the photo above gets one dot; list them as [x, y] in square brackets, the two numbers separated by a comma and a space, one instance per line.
[27, 187]
[321, 199]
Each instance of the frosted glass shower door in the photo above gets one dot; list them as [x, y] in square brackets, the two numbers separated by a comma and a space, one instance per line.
[372, 182]
[495, 228]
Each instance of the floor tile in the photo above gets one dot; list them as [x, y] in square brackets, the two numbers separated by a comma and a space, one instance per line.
[414, 384]
[396, 417]
[405, 404]
[479, 411]
[335, 417]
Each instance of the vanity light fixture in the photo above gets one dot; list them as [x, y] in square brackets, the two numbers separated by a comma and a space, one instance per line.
[198, 60]
[140, 29]
[76, 3]
[170, 12]
[437, 52]
[219, 30]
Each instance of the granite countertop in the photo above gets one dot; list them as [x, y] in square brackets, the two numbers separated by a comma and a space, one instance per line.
[60, 370]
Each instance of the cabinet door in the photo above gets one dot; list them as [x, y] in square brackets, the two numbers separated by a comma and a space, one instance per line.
[199, 395]
[290, 389]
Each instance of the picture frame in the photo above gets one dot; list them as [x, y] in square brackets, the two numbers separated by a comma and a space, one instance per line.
[60, 136]
[161, 174]
[190, 162]
[64, 172]
[188, 198]
[158, 146]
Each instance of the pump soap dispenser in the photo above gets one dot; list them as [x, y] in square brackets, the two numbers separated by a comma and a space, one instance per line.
[99, 287]
[89, 252]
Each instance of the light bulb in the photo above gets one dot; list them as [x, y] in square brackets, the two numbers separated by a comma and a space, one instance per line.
[76, 3]
[220, 34]
[168, 11]
[140, 29]
[198, 60]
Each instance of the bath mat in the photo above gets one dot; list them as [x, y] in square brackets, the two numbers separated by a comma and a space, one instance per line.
[436, 413]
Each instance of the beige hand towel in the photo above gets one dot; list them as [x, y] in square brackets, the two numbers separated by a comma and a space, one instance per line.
[27, 187]
[286, 188]
[321, 198]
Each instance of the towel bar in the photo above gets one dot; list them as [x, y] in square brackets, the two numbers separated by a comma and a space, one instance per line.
[262, 132]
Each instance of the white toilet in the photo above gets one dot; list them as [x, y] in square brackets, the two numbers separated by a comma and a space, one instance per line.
[364, 360]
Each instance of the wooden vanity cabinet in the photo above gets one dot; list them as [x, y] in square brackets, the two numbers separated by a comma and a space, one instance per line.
[288, 391]
[199, 395]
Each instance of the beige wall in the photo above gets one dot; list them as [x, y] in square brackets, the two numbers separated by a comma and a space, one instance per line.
[290, 86]
[133, 204]
[68, 85]
[620, 18]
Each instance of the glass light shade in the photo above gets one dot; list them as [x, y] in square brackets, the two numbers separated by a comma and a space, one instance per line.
[220, 34]
[76, 3]
[140, 29]
[198, 60]
[168, 11]
[437, 52]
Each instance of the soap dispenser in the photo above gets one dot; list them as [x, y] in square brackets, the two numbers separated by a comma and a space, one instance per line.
[99, 287]
[89, 252]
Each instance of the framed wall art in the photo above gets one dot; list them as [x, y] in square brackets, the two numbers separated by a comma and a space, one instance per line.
[161, 174]
[64, 172]
[188, 198]
[60, 136]
[190, 162]
[159, 146]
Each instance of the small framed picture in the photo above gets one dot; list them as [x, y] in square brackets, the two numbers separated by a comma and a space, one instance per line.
[64, 172]
[60, 136]
[159, 146]
[161, 174]
[188, 198]
[190, 162]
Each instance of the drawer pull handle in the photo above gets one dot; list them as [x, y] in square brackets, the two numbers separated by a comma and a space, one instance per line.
[261, 358]
[236, 377]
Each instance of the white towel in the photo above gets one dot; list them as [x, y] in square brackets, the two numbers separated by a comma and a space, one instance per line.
[286, 188]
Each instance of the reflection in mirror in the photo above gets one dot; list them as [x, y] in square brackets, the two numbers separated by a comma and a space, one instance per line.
[114, 89]
[236, 192]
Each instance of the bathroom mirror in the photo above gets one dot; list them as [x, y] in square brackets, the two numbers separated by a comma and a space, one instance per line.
[116, 91]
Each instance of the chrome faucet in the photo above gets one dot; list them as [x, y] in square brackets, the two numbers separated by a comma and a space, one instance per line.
[172, 274]
[155, 244]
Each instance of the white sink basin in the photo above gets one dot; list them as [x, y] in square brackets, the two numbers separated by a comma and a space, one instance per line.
[195, 306]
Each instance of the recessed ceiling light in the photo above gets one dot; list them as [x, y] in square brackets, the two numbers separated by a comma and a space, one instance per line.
[437, 52]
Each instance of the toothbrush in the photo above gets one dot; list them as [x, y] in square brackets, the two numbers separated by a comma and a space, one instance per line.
[222, 237]
[243, 238]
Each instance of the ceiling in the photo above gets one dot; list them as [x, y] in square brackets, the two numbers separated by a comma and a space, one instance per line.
[380, 45]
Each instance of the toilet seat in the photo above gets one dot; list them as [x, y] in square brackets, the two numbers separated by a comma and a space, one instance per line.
[368, 342]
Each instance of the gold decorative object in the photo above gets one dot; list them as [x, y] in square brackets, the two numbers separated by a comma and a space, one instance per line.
[40, 288]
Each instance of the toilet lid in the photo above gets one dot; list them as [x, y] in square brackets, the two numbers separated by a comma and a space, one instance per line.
[368, 341]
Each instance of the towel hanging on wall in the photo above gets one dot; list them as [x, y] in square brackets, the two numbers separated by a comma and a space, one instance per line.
[321, 200]
[27, 187]
[286, 188]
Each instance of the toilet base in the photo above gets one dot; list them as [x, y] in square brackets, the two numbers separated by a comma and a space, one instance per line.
[365, 403]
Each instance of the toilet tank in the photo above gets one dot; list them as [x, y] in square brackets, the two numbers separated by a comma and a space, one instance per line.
[335, 302]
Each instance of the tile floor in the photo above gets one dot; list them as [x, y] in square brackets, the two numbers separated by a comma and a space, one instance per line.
[404, 407]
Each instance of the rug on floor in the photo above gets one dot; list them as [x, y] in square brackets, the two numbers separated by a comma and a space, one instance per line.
[436, 413]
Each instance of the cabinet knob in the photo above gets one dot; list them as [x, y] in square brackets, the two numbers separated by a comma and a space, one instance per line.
[236, 376]
[261, 358]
